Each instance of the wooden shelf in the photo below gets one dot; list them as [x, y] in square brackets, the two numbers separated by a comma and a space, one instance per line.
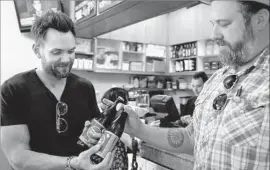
[116, 17]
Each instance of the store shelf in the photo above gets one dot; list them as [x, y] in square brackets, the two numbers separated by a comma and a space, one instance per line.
[116, 17]
[182, 58]
[184, 73]
[155, 57]
[126, 72]
[77, 69]
[84, 54]
[133, 52]
[209, 72]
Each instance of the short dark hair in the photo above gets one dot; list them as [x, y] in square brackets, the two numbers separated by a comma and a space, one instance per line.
[51, 19]
[202, 75]
[249, 8]
[113, 93]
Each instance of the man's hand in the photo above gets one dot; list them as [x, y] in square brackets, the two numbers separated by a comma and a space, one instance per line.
[186, 119]
[133, 122]
[95, 136]
[83, 162]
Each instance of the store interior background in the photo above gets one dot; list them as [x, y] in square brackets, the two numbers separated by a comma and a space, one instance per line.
[17, 55]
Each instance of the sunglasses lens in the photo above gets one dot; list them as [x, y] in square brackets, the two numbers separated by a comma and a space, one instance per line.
[229, 81]
[61, 125]
[219, 101]
[61, 108]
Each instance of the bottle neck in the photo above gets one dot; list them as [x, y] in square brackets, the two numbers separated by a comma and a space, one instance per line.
[117, 127]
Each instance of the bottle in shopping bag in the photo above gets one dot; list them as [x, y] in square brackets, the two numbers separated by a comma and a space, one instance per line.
[98, 124]
[109, 138]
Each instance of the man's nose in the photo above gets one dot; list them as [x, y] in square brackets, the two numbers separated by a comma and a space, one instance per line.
[65, 58]
[216, 34]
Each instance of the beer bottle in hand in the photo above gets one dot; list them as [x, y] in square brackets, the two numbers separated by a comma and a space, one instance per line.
[98, 124]
[109, 138]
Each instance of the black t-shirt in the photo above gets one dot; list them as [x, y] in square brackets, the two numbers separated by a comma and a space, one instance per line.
[25, 100]
[189, 107]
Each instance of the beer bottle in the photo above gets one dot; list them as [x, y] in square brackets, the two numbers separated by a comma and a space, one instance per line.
[109, 138]
[99, 123]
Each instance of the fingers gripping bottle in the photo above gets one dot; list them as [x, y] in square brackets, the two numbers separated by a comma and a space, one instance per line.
[98, 124]
[109, 138]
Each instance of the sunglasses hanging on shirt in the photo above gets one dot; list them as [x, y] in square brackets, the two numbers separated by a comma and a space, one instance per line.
[221, 100]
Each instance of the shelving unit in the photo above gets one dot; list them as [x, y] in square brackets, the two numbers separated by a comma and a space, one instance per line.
[113, 57]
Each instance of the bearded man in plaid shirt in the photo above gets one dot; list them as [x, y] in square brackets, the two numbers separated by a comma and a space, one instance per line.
[230, 129]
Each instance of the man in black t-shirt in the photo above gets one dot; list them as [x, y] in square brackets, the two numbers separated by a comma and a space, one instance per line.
[197, 82]
[44, 109]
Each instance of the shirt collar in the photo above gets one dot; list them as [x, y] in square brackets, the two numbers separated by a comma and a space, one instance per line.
[262, 62]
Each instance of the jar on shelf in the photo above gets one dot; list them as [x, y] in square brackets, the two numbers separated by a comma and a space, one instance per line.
[182, 84]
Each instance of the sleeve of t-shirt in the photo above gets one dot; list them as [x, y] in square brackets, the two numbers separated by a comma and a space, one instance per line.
[13, 105]
[93, 101]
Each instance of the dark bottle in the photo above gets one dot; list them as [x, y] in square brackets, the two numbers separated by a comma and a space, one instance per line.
[109, 138]
[98, 124]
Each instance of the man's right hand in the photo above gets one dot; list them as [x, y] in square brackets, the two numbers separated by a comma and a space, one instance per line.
[83, 162]
[133, 122]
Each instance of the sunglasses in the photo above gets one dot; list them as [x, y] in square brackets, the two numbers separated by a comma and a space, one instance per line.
[61, 122]
[221, 100]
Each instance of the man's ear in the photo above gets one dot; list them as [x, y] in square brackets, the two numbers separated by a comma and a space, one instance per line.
[35, 48]
[261, 19]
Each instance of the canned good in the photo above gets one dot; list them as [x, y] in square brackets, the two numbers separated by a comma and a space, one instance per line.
[107, 141]
[90, 132]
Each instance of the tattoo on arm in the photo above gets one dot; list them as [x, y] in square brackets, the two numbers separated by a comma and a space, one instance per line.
[175, 137]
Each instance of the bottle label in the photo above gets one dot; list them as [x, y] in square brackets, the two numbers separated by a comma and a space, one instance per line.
[90, 132]
[107, 141]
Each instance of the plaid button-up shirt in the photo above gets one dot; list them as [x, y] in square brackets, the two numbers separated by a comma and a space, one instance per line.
[237, 137]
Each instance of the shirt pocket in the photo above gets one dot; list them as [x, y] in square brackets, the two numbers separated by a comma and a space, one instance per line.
[242, 125]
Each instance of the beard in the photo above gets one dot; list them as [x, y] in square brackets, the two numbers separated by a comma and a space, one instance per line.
[57, 69]
[234, 54]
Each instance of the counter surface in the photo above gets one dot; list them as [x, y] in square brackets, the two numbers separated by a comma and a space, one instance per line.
[167, 159]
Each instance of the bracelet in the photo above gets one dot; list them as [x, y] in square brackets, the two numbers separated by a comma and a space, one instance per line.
[68, 166]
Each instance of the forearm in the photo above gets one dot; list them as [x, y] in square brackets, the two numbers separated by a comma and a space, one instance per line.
[29, 160]
[170, 139]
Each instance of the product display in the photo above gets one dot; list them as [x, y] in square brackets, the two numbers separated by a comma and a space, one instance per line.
[109, 138]
[98, 124]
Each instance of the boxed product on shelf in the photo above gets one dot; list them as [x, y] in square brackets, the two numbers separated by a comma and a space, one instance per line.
[206, 65]
[88, 64]
[149, 67]
[151, 82]
[143, 82]
[75, 64]
[125, 66]
[159, 66]
[214, 65]
[83, 45]
[136, 66]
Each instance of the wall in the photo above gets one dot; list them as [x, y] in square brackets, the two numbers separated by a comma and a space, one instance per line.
[16, 48]
[186, 25]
